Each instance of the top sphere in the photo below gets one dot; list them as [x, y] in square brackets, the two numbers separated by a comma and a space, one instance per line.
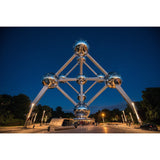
[81, 48]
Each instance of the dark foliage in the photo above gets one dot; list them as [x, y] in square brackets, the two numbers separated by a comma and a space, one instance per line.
[13, 110]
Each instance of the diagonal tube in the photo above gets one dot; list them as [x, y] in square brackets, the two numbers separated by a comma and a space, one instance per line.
[40, 94]
[90, 87]
[97, 94]
[96, 63]
[72, 87]
[72, 69]
[65, 65]
[35, 101]
[66, 95]
[129, 101]
[81, 66]
[90, 68]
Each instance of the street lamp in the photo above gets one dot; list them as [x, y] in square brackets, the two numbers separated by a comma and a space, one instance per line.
[103, 116]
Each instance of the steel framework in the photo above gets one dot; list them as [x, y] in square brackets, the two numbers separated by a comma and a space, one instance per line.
[81, 111]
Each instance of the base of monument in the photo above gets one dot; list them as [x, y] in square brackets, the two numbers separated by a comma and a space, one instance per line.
[84, 121]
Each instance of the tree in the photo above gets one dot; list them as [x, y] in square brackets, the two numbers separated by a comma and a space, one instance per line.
[39, 110]
[13, 110]
[59, 112]
[151, 104]
[21, 105]
[116, 115]
[6, 111]
[149, 108]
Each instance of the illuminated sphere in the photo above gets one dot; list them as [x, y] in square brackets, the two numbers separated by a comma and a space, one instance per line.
[81, 111]
[113, 79]
[100, 77]
[50, 80]
[62, 77]
[81, 48]
[83, 97]
[81, 79]
[81, 58]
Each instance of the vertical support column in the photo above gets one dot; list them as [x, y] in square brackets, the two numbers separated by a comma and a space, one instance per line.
[32, 119]
[122, 118]
[46, 117]
[81, 65]
[81, 93]
[35, 118]
[131, 117]
[81, 73]
[42, 116]
[125, 119]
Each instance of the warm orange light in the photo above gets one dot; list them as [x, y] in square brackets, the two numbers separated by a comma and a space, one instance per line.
[103, 114]
[32, 105]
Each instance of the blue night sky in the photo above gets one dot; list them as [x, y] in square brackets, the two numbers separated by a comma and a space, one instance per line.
[27, 53]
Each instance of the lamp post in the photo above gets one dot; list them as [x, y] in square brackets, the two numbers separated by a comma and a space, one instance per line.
[103, 117]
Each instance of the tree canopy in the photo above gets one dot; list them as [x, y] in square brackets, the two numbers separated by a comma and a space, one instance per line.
[13, 110]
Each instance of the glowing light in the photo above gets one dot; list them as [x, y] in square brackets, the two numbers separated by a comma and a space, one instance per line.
[32, 104]
[103, 114]
[105, 130]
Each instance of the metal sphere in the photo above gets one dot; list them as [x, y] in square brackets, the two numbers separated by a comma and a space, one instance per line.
[62, 77]
[100, 77]
[81, 48]
[83, 97]
[50, 80]
[81, 58]
[81, 111]
[113, 79]
[81, 79]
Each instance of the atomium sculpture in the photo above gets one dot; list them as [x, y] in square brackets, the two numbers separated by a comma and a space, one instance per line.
[81, 111]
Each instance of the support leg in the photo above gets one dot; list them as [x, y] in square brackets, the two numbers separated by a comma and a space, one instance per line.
[129, 101]
[35, 101]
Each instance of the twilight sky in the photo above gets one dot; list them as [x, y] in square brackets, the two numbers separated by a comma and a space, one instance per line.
[27, 53]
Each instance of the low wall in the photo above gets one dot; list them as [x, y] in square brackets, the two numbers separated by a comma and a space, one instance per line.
[57, 122]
